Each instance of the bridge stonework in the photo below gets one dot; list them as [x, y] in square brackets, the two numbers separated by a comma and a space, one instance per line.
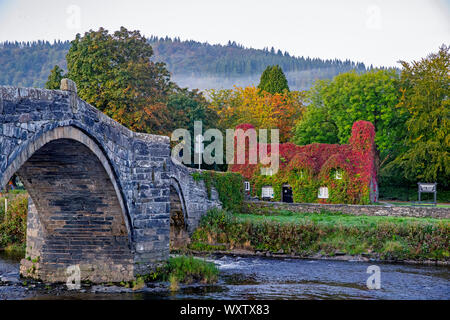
[101, 196]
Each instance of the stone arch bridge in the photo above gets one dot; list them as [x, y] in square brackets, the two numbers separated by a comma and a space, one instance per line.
[101, 196]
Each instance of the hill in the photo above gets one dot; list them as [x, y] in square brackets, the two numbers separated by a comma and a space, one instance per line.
[192, 64]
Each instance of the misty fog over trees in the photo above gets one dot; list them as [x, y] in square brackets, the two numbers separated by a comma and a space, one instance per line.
[192, 64]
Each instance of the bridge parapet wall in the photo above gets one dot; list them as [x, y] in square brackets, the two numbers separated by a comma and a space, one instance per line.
[195, 194]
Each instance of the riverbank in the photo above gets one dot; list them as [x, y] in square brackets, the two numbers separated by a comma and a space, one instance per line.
[324, 236]
[318, 256]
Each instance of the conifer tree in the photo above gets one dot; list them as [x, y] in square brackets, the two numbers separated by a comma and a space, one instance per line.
[54, 79]
[273, 80]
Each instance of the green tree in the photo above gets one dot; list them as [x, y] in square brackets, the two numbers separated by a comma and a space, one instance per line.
[425, 99]
[273, 80]
[54, 79]
[335, 105]
[186, 106]
[114, 73]
[317, 125]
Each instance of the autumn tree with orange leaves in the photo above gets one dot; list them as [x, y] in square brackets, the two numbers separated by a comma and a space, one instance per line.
[260, 108]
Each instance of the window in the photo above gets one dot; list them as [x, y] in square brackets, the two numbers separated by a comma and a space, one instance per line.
[323, 193]
[267, 171]
[338, 175]
[267, 192]
[247, 186]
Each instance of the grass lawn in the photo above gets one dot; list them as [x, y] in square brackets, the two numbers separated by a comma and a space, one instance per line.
[333, 219]
[326, 233]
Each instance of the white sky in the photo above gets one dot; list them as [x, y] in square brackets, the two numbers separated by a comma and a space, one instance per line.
[378, 32]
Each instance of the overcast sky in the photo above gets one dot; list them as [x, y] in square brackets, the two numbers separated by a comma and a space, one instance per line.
[378, 32]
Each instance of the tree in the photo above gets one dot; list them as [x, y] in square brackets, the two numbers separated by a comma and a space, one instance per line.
[54, 79]
[425, 87]
[186, 106]
[335, 105]
[317, 125]
[273, 80]
[261, 109]
[113, 72]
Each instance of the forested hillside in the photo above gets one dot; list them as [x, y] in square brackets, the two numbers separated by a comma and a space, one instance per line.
[214, 66]
[192, 64]
[29, 64]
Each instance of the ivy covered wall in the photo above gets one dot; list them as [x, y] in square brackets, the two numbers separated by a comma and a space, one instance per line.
[348, 171]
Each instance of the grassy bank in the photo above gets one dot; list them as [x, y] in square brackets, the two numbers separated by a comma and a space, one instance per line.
[181, 269]
[328, 234]
[13, 221]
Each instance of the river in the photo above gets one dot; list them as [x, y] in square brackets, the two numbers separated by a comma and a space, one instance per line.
[243, 278]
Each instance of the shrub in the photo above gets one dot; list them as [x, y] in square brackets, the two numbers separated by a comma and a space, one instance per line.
[306, 234]
[185, 269]
[229, 186]
[13, 227]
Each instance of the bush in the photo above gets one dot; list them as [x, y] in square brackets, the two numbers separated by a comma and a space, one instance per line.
[328, 233]
[13, 227]
[185, 270]
[229, 186]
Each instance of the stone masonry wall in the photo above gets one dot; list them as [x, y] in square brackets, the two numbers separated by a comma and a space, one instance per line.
[194, 193]
[374, 210]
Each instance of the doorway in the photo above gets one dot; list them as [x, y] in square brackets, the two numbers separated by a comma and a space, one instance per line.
[287, 194]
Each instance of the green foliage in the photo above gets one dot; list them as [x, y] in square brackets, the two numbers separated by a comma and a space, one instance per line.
[113, 72]
[229, 186]
[408, 192]
[13, 228]
[185, 269]
[273, 80]
[184, 107]
[205, 247]
[190, 269]
[187, 106]
[54, 79]
[305, 234]
[335, 105]
[425, 90]
[28, 64]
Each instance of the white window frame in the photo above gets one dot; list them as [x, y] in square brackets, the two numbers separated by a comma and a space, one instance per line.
[267, 171]
[323, 193]
[267, 192]
[338, 175]
[247, 186]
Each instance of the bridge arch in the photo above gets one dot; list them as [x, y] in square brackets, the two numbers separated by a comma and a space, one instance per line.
[77, 215]
[178, 215]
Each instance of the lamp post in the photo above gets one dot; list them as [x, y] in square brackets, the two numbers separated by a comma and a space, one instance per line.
[199, 148]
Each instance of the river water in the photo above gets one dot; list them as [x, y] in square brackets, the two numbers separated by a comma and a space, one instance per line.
[243, 278]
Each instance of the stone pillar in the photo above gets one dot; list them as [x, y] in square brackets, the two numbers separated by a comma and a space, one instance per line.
[29, 267]
[70, 86]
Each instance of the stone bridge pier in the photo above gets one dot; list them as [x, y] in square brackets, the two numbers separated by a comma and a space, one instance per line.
[102, 197]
